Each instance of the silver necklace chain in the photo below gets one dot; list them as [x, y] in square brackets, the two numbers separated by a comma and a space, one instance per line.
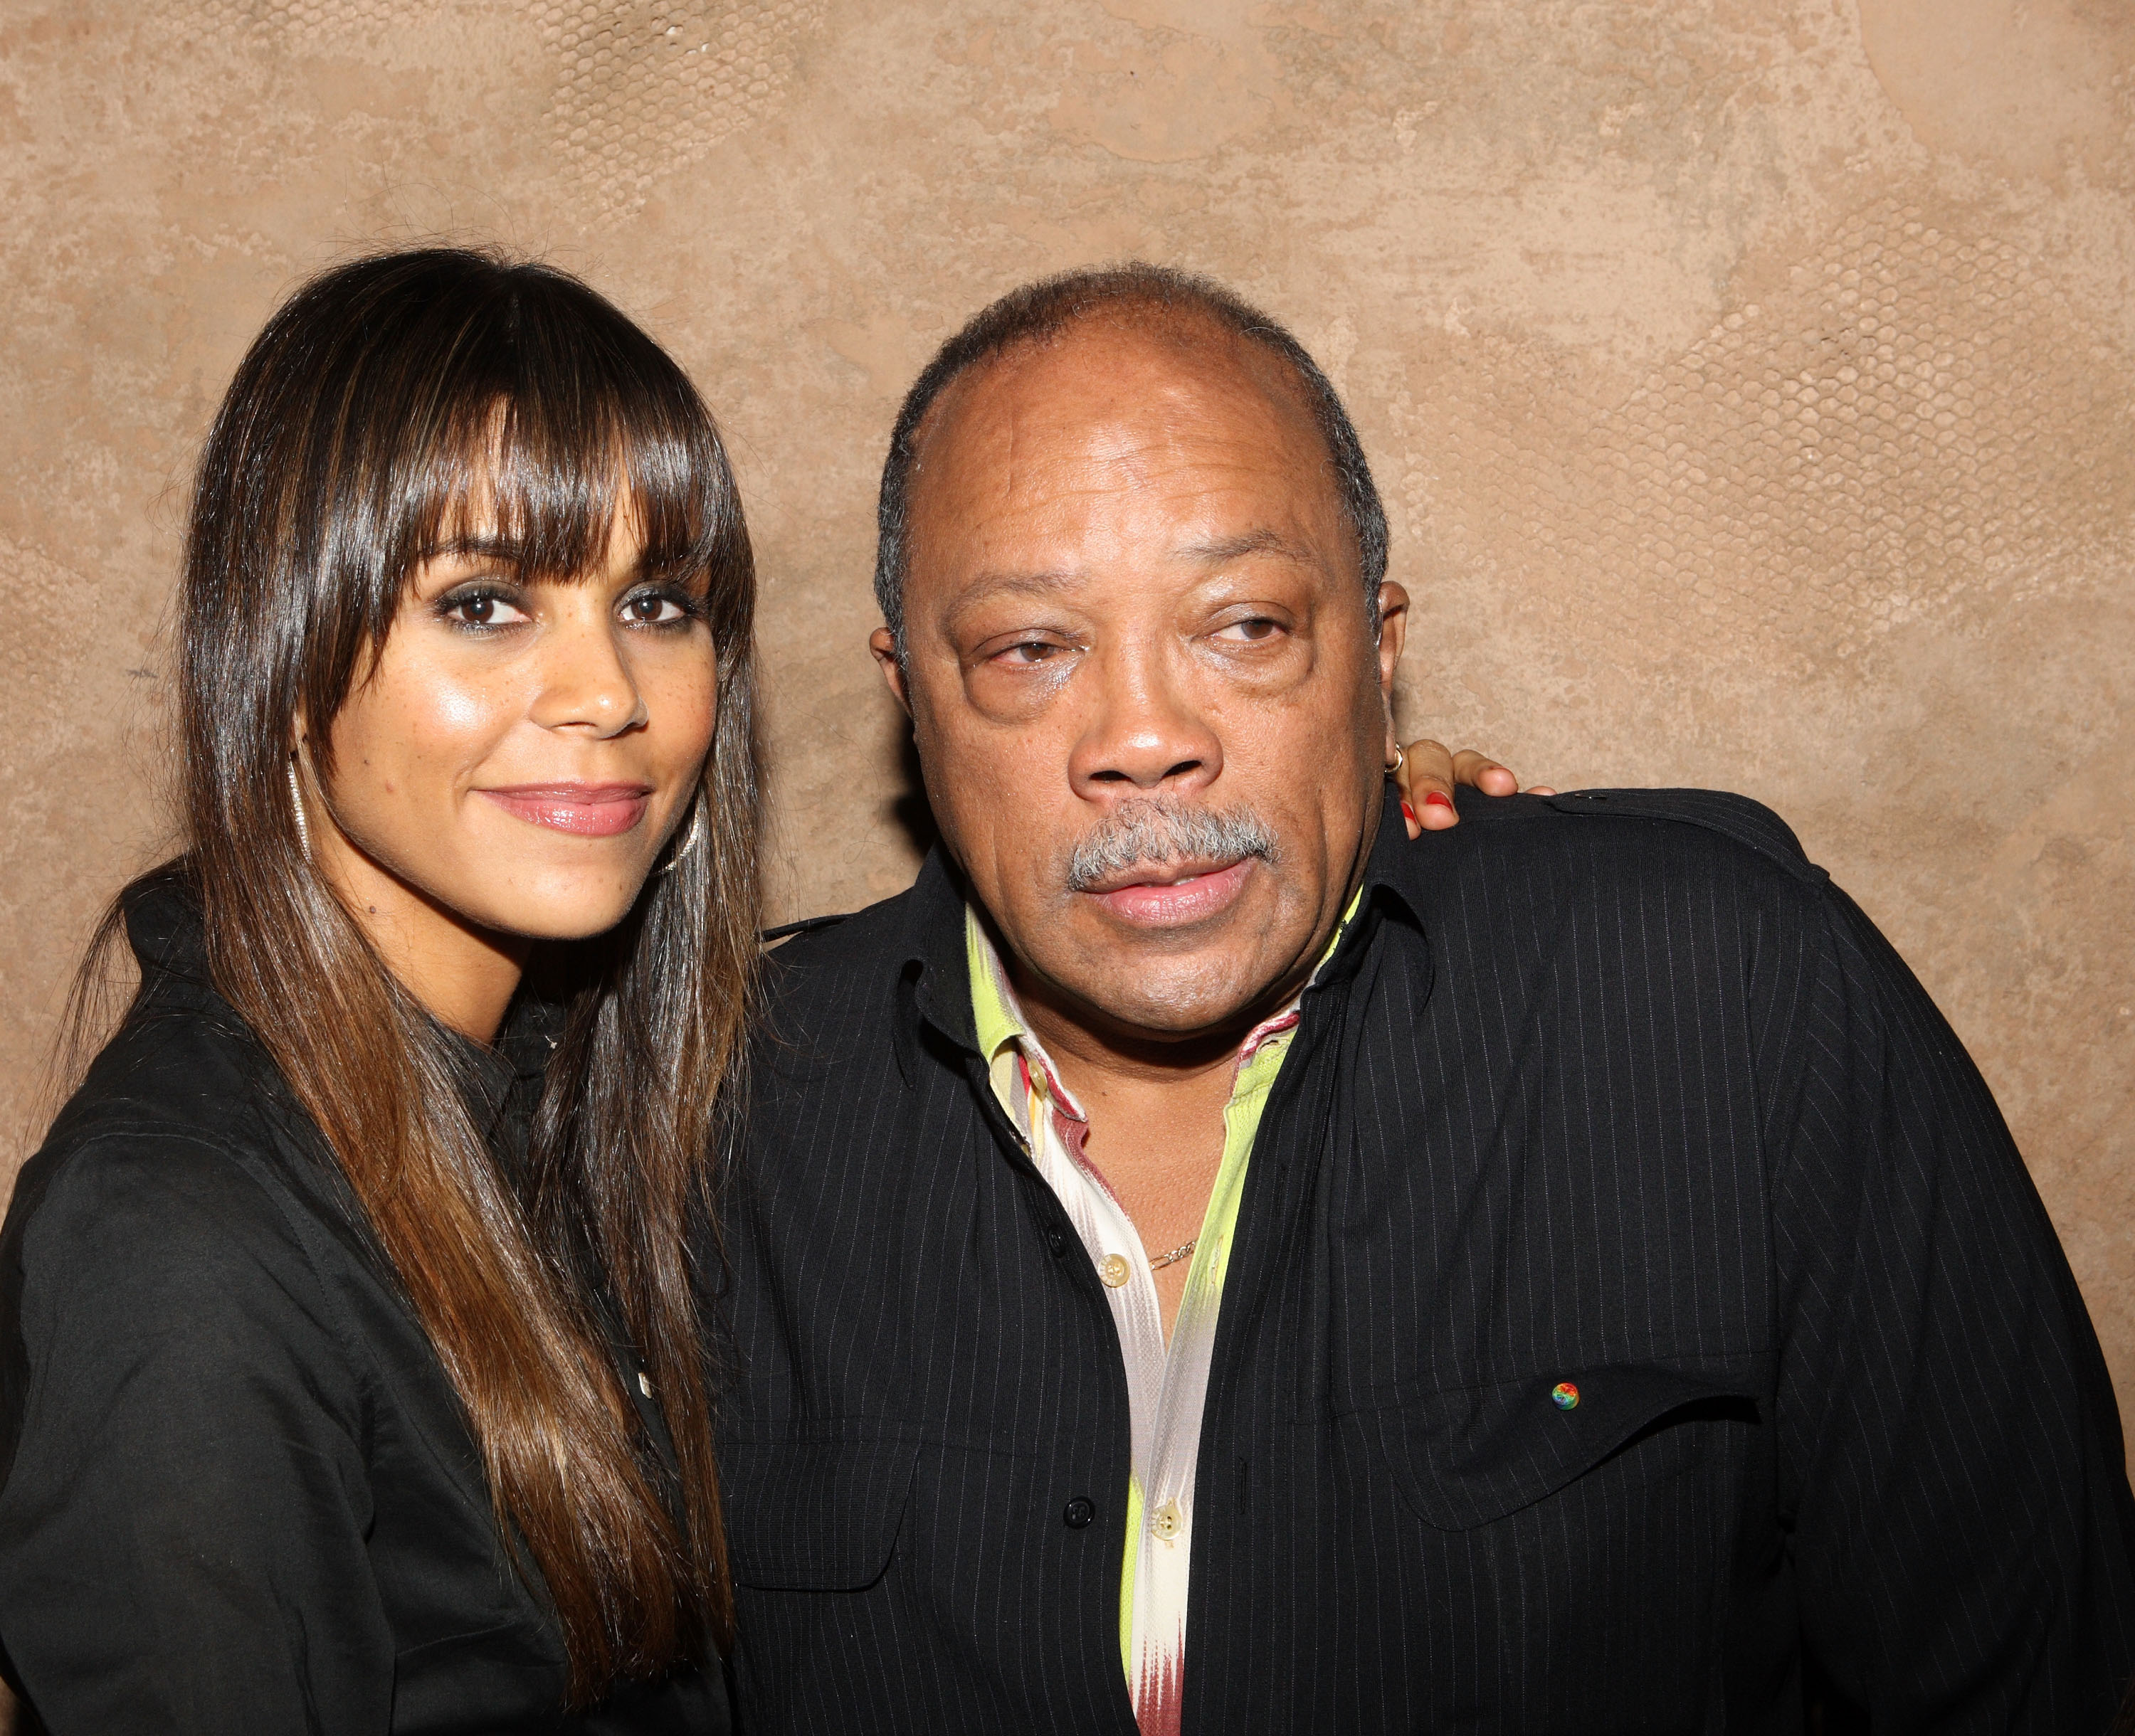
[1176, 1254]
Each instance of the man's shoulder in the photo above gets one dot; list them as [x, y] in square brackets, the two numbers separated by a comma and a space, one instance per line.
[844, 937]
[831, 960]
[1710, 820]
[1604, 837]
[834, 1003]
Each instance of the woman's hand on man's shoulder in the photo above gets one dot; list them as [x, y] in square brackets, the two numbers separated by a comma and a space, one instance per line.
[1429, 770]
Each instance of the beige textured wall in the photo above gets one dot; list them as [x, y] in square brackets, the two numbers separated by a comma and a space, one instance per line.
[1749, 381]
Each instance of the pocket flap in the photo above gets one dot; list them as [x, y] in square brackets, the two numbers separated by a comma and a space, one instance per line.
[1468, 1455]
[820, 1516]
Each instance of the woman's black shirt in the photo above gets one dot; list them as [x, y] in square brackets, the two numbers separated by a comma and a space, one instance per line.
[237, 1492]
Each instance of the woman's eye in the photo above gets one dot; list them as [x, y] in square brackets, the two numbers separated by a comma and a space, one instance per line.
[480, 609]
[1254, 629]
[653, 608]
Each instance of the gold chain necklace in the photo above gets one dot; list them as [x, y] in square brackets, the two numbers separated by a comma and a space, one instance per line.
[1177, 1254]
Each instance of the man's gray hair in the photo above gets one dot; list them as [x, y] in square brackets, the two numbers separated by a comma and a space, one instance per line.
[1157, 831]
[1046, 309]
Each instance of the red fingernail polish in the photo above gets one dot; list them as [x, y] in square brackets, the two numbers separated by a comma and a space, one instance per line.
[1408, 814]
[1438, 799]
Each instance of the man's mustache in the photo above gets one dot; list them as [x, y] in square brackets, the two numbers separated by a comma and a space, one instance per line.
[1156, 833]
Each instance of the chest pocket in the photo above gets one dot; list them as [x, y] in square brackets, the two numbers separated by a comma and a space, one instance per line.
[815, 1516]
[1465, 1456]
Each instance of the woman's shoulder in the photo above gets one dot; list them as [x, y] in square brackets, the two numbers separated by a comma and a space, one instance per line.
[173, 1334]
[177, 1144]
[161, 1241]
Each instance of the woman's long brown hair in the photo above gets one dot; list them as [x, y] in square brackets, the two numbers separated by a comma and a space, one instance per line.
[388, 403]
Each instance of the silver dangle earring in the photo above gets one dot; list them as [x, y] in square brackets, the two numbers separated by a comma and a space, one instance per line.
[694, 836]
[296, 802]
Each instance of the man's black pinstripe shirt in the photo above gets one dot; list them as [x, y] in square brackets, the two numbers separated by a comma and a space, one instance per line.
[1616, 1090]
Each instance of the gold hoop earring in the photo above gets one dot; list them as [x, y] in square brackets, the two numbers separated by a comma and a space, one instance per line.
[1401, 759]
[694, 836]
[297, 804]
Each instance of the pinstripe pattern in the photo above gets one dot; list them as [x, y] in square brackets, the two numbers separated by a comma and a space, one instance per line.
[1614, 1089]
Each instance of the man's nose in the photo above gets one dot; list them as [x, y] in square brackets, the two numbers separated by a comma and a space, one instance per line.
[1147, 736]
[586, 681]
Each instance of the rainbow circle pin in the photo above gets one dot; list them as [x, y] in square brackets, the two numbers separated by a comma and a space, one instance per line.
[1566, 1394]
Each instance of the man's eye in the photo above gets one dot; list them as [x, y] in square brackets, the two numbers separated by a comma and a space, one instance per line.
[480, 609]
[1252, 630]
[1030, 650]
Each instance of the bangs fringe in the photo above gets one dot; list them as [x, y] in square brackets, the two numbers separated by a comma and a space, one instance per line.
[537, 440]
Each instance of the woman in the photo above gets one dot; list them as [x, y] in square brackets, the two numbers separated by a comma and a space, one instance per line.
[353, 1376]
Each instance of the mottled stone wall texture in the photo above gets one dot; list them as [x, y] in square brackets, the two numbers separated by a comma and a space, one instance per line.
[1750, 382]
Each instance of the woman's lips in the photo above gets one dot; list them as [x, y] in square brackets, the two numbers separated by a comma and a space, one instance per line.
[1192, 900]
[590, 810]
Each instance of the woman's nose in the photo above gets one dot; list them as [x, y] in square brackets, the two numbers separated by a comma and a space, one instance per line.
[586, 681]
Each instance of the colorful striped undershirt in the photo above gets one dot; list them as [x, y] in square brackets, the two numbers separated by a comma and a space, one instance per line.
[1166, 1386]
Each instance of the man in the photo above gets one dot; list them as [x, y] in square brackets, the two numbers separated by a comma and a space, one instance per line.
[1561, 1274]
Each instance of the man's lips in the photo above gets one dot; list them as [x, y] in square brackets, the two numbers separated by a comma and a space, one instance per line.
[590, 810]
[1174, 894]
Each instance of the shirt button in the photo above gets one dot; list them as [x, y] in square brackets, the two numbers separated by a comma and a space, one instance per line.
[1168, 1523]
[1078, 1513]
[1115, 1270]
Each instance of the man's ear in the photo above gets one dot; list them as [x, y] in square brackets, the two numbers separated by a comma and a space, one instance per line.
[1393, 634]
[884, 644]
